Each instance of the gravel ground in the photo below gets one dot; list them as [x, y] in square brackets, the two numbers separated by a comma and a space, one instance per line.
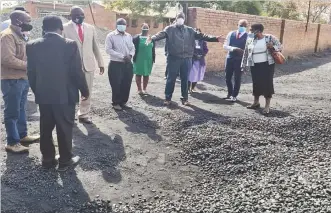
[212, 157]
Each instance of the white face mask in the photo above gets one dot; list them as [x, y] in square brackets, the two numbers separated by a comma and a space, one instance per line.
[180, 21]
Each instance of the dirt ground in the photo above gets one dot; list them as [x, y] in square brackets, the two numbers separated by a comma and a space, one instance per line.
[137, 156]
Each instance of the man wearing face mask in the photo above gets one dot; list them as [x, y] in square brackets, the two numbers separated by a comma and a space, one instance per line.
[86, 38]
[120, 47]
[235, 45]
[6, 24]
[181, 43]
[14, 82]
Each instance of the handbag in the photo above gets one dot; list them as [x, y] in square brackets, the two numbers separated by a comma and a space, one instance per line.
[278, 57]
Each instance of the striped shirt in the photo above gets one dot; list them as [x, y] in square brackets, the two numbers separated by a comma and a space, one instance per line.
[119, 45]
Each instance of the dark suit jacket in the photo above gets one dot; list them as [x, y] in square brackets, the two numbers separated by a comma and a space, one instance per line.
[136, 45]
[55, 70]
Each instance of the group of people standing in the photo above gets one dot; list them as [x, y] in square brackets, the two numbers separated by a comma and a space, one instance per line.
[59, 67]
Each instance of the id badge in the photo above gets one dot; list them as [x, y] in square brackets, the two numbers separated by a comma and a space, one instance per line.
[197, 45]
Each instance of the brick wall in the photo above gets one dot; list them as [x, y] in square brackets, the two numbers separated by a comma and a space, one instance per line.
[103, 18]
[295, 40]
[324, 38]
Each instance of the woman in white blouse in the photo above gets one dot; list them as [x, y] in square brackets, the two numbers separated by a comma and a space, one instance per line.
[257, 57]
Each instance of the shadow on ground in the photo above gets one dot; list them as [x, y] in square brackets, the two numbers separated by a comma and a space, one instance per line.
[25, 181]
[99, 152]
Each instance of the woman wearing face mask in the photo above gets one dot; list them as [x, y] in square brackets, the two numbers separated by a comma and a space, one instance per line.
[258, 58]
[199, 64]
[143, 59]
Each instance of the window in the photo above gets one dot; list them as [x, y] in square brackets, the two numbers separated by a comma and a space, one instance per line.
[134, 23]
[148, 22]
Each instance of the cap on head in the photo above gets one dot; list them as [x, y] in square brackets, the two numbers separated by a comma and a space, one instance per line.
[52, 24]
[20, 8]
[180, 15]
[19, 17]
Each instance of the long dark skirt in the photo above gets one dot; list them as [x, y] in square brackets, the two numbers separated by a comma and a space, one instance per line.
[263, 79]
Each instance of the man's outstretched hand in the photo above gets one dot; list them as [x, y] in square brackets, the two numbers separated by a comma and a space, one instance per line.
[221, 39]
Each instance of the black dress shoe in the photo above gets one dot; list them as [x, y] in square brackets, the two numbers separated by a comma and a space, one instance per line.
[72, 162]
[85, 121]
[49, 164]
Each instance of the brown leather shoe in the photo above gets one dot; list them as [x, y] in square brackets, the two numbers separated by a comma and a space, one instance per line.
[30, 139]
[85, 121]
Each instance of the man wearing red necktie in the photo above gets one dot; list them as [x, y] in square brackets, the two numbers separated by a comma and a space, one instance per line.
[235, 45]
[86, 38]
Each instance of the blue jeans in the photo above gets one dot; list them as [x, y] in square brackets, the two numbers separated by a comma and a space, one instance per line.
[175, 66]
[15, 94]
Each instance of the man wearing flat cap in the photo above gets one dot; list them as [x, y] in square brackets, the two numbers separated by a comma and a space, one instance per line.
[56, 78]
[14, 82]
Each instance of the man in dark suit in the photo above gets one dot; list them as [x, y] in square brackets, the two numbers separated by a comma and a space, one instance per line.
[56, 77]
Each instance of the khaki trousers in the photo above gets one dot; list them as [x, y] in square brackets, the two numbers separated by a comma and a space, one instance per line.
[85, 106]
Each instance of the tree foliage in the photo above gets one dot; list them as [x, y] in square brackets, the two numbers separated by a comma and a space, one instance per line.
[285, 10]
[142, 7]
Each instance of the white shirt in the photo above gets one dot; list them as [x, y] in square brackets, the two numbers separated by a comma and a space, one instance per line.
[226, 45]
[118, 45]
[76, 27]
[260, 51]
[5, 24]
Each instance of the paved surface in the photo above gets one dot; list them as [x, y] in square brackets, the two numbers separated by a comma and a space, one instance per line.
[132, 156]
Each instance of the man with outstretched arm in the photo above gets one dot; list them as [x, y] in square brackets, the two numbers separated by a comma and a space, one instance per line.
[180, 46]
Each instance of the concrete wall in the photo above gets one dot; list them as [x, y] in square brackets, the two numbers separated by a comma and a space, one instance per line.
[295, 40]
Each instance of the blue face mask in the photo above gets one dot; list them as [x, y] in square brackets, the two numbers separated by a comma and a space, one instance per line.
[121, 28]
[242, 29]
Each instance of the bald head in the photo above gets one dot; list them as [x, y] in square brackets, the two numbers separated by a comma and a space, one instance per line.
[243, 23]
[77, 14]
[18, 18]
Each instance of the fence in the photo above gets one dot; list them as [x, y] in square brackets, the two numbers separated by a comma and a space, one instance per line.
[293, 35]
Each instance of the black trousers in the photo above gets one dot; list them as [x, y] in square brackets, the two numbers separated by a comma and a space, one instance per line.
[233, 68]
[120, 76]
[62, 117]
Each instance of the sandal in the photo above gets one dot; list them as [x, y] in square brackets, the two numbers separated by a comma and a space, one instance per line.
[266, 112]
[186, 103]
[253, 106]
[166, 103]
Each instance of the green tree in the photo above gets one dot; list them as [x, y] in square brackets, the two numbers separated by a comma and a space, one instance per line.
[143, 7]
[285, 10]
[247, 7]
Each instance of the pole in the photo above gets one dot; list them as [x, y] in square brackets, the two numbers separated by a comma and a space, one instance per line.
[308, 15]
[89, 4]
